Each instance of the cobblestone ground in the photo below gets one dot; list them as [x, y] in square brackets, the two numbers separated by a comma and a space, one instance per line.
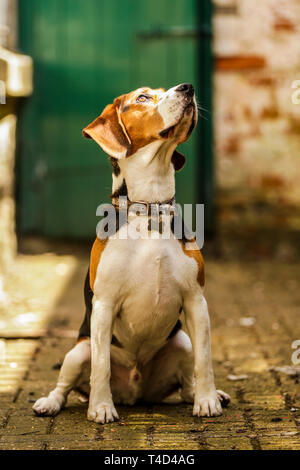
[254, 309]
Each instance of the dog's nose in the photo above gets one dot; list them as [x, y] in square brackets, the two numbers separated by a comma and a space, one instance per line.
[186, 88]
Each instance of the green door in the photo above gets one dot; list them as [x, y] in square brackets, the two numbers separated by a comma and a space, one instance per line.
[86, 52]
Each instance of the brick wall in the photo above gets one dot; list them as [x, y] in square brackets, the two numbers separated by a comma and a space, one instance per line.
[257, 127]
[7, 147]
[8, 23]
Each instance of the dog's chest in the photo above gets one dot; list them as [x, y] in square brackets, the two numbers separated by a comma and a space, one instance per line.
[145, 279]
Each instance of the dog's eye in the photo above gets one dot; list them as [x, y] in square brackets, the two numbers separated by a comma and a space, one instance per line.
[143, 98]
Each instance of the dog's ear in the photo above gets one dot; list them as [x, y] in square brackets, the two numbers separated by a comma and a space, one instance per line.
[178, 160]
[109, 132]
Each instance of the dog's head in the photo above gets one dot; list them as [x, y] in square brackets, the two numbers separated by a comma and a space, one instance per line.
[143, 116]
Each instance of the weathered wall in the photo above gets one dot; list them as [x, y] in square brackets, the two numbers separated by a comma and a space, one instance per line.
[8, 23]
[7, 146]
[257, 127]
[7, 203]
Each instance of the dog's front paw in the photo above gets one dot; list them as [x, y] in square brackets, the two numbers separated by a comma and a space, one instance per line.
[208, 405]
[103, 413]
[48, 406]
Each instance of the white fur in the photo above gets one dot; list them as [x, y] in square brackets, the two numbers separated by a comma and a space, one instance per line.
[171, 106]
[137, 294]
[149, 174]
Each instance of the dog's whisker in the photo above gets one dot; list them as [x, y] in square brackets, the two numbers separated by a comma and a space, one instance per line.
[200, 107]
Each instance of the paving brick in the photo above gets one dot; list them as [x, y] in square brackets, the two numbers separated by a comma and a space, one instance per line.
[280, 443]
[21, 443]
[241, 443]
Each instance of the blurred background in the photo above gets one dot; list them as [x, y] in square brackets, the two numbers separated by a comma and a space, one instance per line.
[61, 62]
[242, 161]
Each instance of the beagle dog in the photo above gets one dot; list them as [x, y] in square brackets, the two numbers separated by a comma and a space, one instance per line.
[131, 345]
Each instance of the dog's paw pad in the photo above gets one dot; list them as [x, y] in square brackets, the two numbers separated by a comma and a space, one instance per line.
[207, 406]
[103, 413]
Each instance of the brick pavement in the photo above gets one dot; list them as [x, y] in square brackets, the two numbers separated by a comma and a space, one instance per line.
[254, 315]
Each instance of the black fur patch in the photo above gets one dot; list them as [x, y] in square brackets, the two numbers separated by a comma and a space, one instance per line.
[116, 342]
[166, 132]
[176, 328]
[115, 165]
[85, 329]
[121, 191]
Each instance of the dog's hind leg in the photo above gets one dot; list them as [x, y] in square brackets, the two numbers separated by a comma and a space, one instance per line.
[69, 377]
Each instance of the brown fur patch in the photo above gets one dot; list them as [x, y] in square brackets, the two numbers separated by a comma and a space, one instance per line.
[82, 338]
[141, 120]
[107, 130]
[197, 255]
[97, 250]
[143, 123]
[127, 125]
